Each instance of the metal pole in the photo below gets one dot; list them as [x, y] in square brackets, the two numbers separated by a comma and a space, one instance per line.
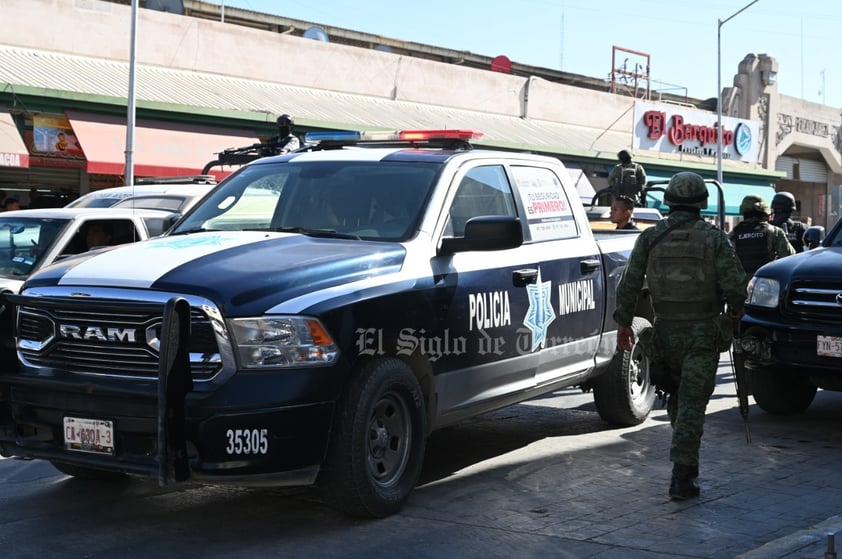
[719, 24]
[130, 113]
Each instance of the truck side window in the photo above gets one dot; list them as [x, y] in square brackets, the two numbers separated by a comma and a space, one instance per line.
[482, 191]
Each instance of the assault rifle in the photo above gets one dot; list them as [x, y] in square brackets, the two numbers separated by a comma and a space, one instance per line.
[246, 154]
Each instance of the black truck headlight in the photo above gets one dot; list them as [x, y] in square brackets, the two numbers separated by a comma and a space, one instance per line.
[763, 292]
[282, 341]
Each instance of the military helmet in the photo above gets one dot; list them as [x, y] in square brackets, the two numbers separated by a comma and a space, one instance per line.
[752, 204]
[783, 202]
[285, 120]
[686, 189]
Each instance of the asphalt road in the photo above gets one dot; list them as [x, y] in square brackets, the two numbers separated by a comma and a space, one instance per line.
[543, 479]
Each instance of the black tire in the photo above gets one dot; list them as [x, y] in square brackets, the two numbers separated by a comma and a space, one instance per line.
[778, 392]
[377, 443]
[623, 394]
[91, 474]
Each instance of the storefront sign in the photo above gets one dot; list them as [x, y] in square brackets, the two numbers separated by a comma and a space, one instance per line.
[671, 129]
[52, 142]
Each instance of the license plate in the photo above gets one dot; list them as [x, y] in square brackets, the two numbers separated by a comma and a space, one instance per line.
[89, 435]
[829, 346]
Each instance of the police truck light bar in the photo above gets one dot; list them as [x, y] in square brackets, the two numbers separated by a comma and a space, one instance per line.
[392, 136]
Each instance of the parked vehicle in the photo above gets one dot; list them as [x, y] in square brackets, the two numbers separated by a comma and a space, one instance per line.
[33, 239]
[174, 194]
[320, 313]
[791, 335]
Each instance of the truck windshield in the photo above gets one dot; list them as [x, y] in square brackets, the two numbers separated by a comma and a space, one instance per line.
[372, 200]
[24, 242]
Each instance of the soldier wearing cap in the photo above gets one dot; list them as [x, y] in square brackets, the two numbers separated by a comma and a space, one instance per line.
[755, 240]
[691, 270]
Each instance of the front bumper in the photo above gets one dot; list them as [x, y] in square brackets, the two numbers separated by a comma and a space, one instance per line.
[263, 443]
[767, 344]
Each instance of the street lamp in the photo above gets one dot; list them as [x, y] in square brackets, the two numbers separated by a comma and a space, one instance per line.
[720, 23]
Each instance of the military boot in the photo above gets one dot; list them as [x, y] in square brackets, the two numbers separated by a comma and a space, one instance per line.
[683, 484]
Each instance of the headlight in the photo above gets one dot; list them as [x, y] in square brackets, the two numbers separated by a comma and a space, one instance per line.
[282, 341]
[763, 292]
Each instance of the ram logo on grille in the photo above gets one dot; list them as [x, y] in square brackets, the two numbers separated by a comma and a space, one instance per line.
[97, 333]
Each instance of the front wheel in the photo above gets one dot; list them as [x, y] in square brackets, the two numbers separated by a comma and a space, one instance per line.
[378, 440]
[777, 392]
[623, 394]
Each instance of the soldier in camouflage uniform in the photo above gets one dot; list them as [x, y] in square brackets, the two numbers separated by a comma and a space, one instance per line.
[627, 178]
[691, 270]
[755, 240]
[783, 204]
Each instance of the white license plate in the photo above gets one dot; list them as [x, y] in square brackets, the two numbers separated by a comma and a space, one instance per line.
[829, 346]
[89, 435]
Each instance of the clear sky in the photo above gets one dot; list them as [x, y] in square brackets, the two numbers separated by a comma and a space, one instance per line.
[680, 36]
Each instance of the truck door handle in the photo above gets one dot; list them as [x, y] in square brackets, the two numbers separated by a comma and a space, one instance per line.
[522, 278]
[588, 266]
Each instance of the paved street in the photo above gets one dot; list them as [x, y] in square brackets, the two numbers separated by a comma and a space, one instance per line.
[541, 479]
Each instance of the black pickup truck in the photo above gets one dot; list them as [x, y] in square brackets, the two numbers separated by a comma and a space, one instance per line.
[316, 316]
[791, 335]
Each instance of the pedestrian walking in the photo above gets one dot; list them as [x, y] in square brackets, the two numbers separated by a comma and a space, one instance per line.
[627, 178]
[621, 213]
[692, 271]
[783, 204]
[755, 240]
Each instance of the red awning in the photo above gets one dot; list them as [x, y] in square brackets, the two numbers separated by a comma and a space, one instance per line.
[160, 148]
[13, 152]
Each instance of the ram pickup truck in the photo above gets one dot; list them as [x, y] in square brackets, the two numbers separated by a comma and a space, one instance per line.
[320, 313]
[791, 334]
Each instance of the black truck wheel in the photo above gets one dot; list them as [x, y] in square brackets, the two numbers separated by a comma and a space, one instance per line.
[778, 392]
[623, 394]
[377, 443]
[82, 472]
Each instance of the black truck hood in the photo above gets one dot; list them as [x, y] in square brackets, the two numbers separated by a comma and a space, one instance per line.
[245, 272]
[817, 264]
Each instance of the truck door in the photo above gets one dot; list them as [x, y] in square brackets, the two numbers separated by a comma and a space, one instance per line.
[567, 299]
[481, 302]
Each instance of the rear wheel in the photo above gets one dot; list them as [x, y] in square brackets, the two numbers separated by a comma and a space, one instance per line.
[82, 472]
[778, 392]
[623, 394]
[378, 440]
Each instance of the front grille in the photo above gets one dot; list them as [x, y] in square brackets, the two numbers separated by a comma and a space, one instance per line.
[106, 341]
[816, 300]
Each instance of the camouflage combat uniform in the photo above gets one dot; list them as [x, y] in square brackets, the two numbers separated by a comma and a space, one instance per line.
[758, 242]
[687, 270]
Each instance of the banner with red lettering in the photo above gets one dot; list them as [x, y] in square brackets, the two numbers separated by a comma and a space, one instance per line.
[673, 129]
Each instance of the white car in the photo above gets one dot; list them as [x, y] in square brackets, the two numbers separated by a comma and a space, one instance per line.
[171, 197]
[33, 239]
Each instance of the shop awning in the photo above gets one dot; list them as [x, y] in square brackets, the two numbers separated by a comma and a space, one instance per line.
[734, 192]
[13, 152]
[160, 149]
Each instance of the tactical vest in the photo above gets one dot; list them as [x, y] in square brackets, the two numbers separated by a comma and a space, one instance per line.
[681, 272]
[627, 181]
[751, 242]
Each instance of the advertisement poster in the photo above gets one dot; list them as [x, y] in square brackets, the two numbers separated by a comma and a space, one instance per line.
[51, 141]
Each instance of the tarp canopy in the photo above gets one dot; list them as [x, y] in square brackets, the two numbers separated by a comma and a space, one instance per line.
[160, 149]
[13, 152]
[734, 192]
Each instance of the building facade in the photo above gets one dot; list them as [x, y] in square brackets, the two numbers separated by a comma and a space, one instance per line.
[203, 85]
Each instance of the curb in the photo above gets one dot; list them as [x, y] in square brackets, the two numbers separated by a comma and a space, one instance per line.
[813, 540]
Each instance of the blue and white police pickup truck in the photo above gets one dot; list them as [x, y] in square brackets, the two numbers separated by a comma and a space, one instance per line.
[320, 313]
